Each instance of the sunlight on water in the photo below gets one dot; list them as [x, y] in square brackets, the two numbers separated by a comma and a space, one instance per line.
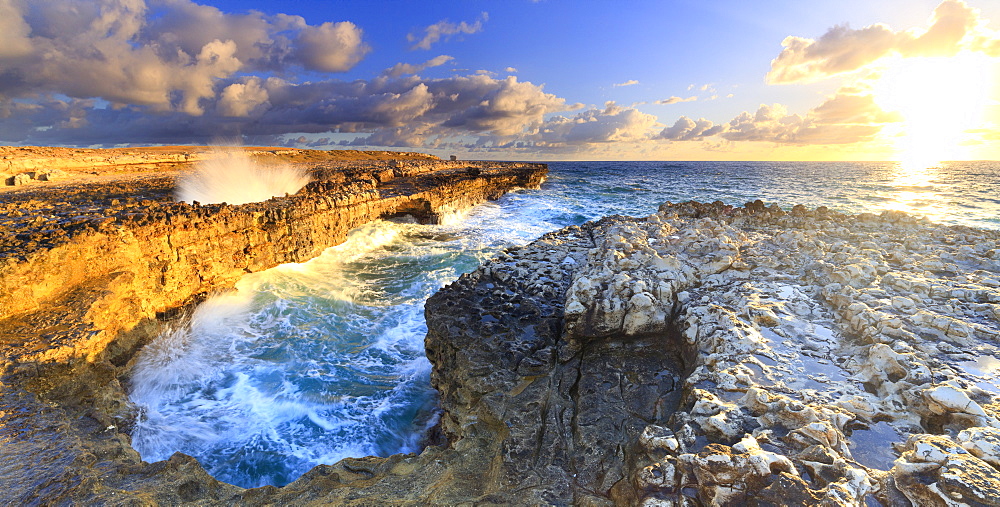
[913, 189]
[233, 177]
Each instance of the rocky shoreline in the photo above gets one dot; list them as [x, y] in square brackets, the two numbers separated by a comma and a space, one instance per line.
[707, 354]
[735, 356]
[92, 268]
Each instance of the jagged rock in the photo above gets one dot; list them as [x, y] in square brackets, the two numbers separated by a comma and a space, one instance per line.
[777, 315]
[935, 470]
[89, 268]
[706, 354]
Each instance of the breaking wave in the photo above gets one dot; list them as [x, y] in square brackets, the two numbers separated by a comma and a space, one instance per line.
[231, 176]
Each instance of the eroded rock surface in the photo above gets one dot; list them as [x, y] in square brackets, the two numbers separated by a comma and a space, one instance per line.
[703, 355]
[813, 358]
[91, 268]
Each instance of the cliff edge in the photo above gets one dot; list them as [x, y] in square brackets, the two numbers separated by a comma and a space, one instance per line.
[92, 266]
[706, 354]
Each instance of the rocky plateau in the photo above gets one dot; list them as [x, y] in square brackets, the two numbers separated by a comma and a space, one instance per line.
[704, 355]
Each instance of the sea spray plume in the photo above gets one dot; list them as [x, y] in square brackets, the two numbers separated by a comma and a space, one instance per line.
[231, 176]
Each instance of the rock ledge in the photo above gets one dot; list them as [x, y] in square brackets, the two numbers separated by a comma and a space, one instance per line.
[93, 266]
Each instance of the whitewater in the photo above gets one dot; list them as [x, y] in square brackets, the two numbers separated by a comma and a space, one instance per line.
[309, 363]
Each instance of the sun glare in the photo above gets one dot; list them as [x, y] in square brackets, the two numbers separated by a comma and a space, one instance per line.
[939, 99]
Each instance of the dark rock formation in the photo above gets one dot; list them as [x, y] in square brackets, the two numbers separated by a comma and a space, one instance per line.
[718, 355]
[559, 418]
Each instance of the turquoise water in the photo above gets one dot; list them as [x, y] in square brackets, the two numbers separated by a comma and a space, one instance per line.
[310, 363]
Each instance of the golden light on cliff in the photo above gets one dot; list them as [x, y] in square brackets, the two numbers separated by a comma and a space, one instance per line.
[939, 99]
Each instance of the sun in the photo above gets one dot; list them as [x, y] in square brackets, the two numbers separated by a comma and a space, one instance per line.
[939, 99]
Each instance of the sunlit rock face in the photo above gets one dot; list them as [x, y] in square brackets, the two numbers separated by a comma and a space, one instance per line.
[706, 354]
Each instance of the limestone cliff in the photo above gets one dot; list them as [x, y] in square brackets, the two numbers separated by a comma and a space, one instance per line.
[90, 269]
[706, 354]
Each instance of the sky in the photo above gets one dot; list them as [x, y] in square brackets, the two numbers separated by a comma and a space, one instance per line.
[910, 80]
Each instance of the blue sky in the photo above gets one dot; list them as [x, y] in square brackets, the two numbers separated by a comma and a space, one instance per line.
[515, 79]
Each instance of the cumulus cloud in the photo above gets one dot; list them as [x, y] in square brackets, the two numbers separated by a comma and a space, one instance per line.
[613, 123]
[954, 26]
[503, 105]
[843, 118]
[630, 82]
[675, 99]
[851, 108]
[406, 68]
[406, 111]
[15, 41]
[330, 47]
[686, 129]
[241, 99]
[168, 56]
[445, 29]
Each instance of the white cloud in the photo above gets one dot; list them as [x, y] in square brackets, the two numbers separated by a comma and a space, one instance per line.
[331, 47]
[445, 29]
[686, 129]
[630, 82]
[510, 70]
[844, 118]
[954, 26]
[168, 56]
[675, 99]
[240, 99]
[613, 123]
[405, 68]
[506, 107]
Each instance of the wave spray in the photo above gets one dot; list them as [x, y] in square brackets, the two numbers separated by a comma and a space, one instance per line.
[231, 176]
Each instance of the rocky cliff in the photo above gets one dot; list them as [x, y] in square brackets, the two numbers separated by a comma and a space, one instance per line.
[91, 269]
[703, 355]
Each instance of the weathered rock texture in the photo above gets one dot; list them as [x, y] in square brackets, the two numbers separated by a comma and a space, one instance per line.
[824, 359]
[89, 269]
[704, 355]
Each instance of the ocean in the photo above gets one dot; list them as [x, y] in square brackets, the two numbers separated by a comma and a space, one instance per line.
[309, 363]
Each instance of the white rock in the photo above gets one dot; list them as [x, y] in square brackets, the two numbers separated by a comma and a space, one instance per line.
[951, 399]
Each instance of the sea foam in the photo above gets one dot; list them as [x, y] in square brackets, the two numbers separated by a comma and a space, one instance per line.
[231, 176]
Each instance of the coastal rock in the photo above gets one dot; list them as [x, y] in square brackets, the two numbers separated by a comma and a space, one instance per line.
[934, 470]
[707, 354]
[91, 268]
[811, 344]
[20, 179]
